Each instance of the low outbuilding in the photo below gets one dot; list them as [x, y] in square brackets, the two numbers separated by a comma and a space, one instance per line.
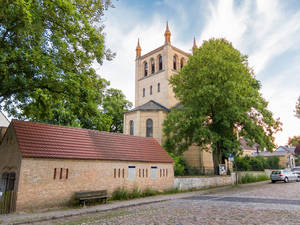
[44, 165]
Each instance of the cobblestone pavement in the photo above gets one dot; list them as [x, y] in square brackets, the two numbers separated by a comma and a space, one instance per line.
[262, 204]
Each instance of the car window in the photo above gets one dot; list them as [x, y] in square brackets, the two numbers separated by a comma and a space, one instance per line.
[275, 172]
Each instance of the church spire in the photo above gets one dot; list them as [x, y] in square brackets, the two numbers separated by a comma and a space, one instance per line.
[138, 49]
[167, 35]
[195, 47]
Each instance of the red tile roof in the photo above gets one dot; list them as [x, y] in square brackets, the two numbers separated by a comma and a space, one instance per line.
[245, 146]
[38, 140]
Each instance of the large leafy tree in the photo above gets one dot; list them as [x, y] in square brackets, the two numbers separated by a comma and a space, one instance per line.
[47, 48]
[220, 100]
[115, 105]
[298, 108]
[294, 141]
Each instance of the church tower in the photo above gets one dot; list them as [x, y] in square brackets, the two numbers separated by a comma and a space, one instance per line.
[154, 97]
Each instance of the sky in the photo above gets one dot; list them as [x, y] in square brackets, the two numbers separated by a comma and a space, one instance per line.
[268, 31]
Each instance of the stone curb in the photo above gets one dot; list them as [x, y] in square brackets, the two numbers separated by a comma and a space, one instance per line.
[114, 206]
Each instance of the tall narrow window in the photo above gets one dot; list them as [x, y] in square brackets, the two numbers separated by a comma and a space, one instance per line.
[181, 63]
[144, 92]
[149, 128]
[123, 173]
[158, 87]
[152, 66]
[153, 172]
[119, 173]
[131, 125]
[67, 174]
[160, 67]
[143, 172]
[146, 172]
[131, 172]
[61, 172]
[145, 69]
[174, 62]
[115, 173]
[151, 90]
[54, 175]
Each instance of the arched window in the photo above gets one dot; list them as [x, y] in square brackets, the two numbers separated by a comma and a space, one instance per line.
[160, 63]
[158, 87]
[151, 90]
[152, 66]
[149, 128]
[144, 92]
[146, 69]
[174, 62]
[131, 125]
[181, 63]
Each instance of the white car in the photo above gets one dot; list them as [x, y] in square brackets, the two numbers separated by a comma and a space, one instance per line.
[284, 175]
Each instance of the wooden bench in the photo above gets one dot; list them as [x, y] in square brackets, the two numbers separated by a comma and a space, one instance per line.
[89, 195]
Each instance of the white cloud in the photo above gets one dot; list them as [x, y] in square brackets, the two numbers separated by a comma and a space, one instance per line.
[225, 21]
[264, 30]
[121, 70]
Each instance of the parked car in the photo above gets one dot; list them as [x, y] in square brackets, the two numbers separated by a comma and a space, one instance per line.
[284, 175]
[296, 170]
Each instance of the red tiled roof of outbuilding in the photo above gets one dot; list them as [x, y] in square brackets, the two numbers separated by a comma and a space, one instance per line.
[38, 140]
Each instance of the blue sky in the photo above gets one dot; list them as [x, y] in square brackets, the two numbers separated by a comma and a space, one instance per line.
[268, 31]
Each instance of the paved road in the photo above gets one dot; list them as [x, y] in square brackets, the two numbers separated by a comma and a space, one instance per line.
[263, 204]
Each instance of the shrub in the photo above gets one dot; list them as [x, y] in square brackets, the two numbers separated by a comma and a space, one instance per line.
[149, 192]
[273, 162]
[242, 163]
[250, 178]
[179, 165]
[135, 193]
[182, 168]
[172, 191]
[124, 194]
[120, 194]
[258, 163]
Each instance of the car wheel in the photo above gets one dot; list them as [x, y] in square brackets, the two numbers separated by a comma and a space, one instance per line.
[286, 180]
[273, 181]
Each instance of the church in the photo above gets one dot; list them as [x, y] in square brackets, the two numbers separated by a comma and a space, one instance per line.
[154, 97]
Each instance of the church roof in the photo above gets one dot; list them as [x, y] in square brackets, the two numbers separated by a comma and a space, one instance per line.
[150, 106]
[39, 140]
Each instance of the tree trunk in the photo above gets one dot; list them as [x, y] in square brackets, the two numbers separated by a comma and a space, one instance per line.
[217, 158]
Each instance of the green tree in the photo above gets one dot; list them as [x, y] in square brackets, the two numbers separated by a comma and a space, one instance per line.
[297, 110]
[47, 49]
[294, 141]
[220, 98]
[115, 105]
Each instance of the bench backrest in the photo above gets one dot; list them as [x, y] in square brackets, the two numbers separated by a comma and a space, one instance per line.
[87, 194]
